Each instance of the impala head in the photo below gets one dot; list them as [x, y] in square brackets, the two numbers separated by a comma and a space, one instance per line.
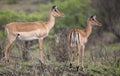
[93, 21]
[55, 12]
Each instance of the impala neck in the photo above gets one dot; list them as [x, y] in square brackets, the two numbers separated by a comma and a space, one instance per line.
[51, 22]
[88, 29]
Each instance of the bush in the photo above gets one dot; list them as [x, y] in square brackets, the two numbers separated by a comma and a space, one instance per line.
[12, 1]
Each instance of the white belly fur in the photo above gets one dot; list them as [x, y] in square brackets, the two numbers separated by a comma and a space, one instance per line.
[32, 35]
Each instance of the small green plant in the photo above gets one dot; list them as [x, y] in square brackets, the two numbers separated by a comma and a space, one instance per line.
[12, 1]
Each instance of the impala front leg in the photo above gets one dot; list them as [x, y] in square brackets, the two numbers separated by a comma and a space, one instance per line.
[41, 49]
[83, 47]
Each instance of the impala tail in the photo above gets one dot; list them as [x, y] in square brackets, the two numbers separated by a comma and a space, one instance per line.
[73, 38]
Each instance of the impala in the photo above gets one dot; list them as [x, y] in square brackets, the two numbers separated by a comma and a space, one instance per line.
[30, 31]
[78, 38]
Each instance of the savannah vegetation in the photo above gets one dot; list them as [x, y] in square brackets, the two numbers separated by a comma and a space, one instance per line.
[102, 52]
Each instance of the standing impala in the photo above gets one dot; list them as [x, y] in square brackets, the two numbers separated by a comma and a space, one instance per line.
[78, 38]
[30, 31]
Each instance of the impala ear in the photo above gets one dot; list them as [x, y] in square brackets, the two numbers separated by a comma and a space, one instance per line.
[54, 7]
[94, 17]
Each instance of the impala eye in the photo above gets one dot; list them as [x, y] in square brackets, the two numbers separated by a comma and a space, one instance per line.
[55, 10]
[93, 19]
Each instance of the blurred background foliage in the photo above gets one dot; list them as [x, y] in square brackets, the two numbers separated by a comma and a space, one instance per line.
[76, 13]
[102, 55]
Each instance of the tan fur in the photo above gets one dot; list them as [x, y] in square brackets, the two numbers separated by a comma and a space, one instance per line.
[25, 26]
[82, 38]
[30, 31]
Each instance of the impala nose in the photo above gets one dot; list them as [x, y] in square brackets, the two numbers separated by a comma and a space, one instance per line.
[63, 15]
[100, 24]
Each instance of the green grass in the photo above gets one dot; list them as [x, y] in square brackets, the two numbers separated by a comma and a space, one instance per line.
[98, 67]
[113, 47]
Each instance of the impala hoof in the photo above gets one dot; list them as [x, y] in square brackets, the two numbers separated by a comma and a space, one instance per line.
[82, 67]
[77, 68]
[70, 65]
[7, 61]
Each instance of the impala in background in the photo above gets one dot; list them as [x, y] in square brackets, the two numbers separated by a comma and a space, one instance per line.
[78, 38]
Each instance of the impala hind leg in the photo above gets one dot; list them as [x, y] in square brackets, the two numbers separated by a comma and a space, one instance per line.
[7, 47]
[78, 55]
[71, 55]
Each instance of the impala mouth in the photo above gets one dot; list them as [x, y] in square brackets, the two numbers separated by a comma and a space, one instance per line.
[100, 24]
[62, 15]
